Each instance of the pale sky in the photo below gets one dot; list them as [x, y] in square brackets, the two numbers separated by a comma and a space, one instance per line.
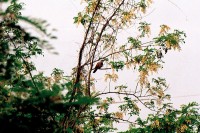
[181, 69]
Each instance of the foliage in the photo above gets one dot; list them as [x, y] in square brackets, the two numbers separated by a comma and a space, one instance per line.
[25, 98]
[58, 103]
[185, 120]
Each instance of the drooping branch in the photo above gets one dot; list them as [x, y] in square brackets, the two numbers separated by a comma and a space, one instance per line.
[131, 94]
[120, 93]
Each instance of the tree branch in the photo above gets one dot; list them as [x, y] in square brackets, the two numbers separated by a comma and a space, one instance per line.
[97, 42]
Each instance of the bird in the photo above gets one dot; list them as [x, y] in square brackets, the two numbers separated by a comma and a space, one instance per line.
[166, 49]
[159, 54]
[98, 66]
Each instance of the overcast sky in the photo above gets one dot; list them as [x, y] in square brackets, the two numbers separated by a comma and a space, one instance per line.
[181, 68]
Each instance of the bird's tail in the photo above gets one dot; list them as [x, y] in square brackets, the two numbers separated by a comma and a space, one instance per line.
[94, 70]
